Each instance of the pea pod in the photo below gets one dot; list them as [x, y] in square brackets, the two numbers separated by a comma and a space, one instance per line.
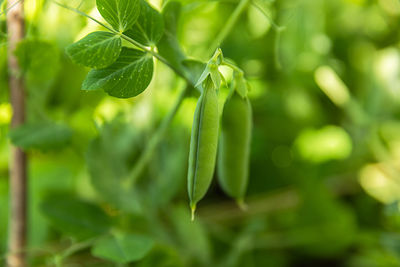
[234, 146]
[203, 144]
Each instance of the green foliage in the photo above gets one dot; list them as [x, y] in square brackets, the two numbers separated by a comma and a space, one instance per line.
[128, 76]
[74, 216]
[108, 165]
[186, 232]
[41, 135]
[123, 248]
[96, 50]
[121, 14]
[169, 46]
[149, 27]
[38, 59]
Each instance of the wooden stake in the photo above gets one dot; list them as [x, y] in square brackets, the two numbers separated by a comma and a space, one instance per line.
[18, 162]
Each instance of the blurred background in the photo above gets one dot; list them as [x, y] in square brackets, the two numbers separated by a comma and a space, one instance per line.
[325, 162]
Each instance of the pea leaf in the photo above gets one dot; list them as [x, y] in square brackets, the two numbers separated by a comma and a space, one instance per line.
[96, 50]
[149, 27]
[43, 136]
[74, 216]
[123, 248]
[121, 14]
[128, 76]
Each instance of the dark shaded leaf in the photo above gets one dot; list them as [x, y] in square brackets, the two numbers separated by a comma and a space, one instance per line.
[74, 216]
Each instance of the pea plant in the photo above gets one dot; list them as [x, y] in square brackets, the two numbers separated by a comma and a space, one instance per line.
[124, 72]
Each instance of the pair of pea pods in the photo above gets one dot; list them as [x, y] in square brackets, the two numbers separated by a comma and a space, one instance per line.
[229, 146]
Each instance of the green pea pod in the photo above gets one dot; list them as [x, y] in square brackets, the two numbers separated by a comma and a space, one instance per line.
[203, 145]
[234, 146]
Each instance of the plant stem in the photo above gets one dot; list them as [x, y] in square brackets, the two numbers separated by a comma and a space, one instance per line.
[155, 140]
[277, 28]
[74, 249]
[271, 21]
[229, 25]
[18, 161]
[130, 40]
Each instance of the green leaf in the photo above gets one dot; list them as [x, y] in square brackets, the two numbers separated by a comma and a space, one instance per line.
[123, 248]
[39, 59]
[128, 76]
[149, 28]
[43, 136]
[121, 14]
[74, 216]
[96, 50]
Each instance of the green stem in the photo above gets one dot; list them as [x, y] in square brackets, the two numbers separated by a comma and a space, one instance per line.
[155, 140]
[130, 40]
[155, 54]
[277, 28]
[74, 249]
[271, 21]
[229, 25]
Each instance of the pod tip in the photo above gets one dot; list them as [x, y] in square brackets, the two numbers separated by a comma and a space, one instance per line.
[193, 208]
[242, 205]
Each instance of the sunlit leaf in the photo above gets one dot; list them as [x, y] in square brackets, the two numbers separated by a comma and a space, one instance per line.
[96, 50]
[123, 248]
[128, 76]
[121, 14]
[149, 27]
